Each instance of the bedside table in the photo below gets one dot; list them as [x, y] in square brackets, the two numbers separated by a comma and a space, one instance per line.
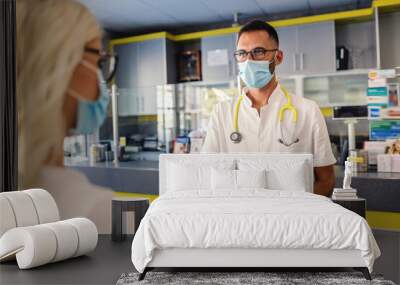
[126, 204]
[357, 206]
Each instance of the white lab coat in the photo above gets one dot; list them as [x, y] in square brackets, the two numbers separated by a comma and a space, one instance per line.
[261, 132]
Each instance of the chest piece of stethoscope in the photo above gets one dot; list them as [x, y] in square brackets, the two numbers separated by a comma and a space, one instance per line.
[288, 144]
[235, 137]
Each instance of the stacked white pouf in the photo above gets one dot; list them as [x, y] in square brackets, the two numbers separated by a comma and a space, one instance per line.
[31, 231]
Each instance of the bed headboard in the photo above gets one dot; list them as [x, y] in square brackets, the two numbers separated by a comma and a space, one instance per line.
[283, 162]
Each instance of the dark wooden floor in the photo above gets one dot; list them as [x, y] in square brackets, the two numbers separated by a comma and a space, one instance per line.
[110, 259]
[102, 266]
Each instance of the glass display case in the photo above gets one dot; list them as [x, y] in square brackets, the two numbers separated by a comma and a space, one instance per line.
[172, 110]
[185, 107]
[290, 84]
[339, 89]
[76, 148]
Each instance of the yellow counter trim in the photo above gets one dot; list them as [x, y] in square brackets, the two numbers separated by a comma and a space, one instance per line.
[385, 3]
[136, 195]
[327, 112]
[384, 220]
[147, 118]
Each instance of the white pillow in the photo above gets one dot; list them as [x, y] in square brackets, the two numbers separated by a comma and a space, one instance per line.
[223, 179]
[292, 177]
[185, 175]
[251, 178]
[235, 179]
[280, 174]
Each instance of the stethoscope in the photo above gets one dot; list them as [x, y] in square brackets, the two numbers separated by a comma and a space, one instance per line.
[236, 136]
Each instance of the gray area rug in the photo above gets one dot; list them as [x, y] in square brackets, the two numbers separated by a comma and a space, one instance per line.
[243, 278]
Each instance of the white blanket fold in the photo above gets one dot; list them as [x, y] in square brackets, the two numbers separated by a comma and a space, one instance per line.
[252, 218]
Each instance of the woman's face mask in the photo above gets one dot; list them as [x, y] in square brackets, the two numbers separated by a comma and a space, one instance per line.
[91, 114]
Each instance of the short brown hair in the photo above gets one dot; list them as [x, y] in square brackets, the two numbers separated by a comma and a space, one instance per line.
[258, 25]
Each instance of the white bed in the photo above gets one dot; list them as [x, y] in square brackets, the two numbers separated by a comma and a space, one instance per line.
[202, 219]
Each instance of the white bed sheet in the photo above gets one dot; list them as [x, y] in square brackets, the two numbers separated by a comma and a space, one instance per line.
[251, 218]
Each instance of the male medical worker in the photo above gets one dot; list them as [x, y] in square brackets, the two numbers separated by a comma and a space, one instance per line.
[266, 118]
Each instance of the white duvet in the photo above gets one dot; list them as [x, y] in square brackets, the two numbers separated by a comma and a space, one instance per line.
[253, 218]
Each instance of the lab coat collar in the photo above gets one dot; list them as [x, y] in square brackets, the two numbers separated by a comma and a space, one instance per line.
[276, 94]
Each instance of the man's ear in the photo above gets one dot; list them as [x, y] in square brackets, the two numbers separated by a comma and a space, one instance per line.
[278, 57]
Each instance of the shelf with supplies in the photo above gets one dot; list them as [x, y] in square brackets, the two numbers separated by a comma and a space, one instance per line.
[384, 104]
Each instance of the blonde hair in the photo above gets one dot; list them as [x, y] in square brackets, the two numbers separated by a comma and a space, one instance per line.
[51, 36]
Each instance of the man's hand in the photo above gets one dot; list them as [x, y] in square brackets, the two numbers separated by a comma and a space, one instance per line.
[324, 180]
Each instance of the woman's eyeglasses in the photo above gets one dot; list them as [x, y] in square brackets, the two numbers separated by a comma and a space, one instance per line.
[107, 63]
[257, 53]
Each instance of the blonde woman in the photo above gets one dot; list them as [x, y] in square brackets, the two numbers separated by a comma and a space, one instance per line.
[59, 92]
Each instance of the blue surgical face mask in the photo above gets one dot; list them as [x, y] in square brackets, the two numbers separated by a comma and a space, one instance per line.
[91, 114]
[255, 73]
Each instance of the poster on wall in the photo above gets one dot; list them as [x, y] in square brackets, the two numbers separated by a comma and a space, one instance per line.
[217, 57]
[383, 96]
[377, 98]
[381, 130]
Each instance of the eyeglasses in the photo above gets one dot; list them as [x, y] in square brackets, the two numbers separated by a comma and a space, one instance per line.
[107, 63]
[257, 53]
